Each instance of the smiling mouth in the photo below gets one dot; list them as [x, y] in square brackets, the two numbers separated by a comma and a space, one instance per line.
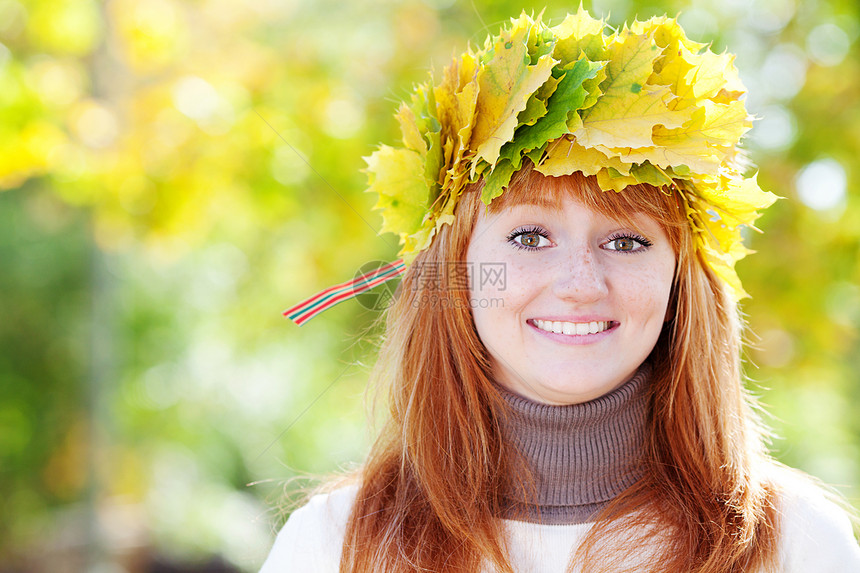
[572, 328]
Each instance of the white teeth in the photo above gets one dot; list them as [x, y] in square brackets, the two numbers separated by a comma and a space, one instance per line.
[572, 328]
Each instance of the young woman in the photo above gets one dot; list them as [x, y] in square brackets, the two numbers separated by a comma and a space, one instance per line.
[562, 358]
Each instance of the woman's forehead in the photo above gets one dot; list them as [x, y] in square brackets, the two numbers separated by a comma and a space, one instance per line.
[556, 207]
[554, 200]
[532, 188]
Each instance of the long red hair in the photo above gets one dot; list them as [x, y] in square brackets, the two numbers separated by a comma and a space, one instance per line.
[429, 494]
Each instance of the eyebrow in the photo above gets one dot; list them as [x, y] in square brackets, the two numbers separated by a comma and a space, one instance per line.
[622, 218]
[539, 204]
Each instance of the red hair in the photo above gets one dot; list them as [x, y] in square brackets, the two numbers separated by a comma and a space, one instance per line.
[429, 495]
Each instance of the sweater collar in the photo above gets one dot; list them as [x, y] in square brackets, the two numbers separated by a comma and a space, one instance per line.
[581, 456]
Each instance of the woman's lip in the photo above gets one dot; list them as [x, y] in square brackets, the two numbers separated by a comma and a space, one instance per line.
[574, 332]
[583, 318]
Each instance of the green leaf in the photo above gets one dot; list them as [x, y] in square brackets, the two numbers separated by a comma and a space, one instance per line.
[535, 109]
[647, 173]
[498, 179]
[567, 98]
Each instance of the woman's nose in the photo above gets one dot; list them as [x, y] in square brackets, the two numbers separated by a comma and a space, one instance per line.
[580, 276]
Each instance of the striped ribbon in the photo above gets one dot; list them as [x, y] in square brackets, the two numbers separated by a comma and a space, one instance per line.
[307, 309]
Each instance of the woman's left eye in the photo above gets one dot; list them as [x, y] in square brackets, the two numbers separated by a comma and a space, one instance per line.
[529, 238]
[627, 243]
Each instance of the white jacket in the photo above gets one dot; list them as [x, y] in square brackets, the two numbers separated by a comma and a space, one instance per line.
[815, 537]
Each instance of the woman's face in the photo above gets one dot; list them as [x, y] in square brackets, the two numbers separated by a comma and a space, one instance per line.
[582, 301]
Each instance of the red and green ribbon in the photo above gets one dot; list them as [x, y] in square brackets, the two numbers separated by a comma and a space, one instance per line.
[307, 309]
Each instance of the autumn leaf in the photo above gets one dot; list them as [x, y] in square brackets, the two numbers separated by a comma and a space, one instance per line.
[456, 98]
[564, 157]
[564, 102]
[567, 98]
[737, 201]
[497, 180]
[701, 144]
[694, 156]
[412, 137]
[421, 239]
[536, 105]
[592, 86]
[610, 179]
[714, 123]
[675, 71]
[535, 109]
[650, 174]
[505, 84]
[667, 33]
[700, 77]
[724, 267]
[579, 33]
[629, 109]
[541, 40]
[397, 176]
[716, 74]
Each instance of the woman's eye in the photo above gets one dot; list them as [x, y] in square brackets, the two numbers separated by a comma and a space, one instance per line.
[529, 238]
[627, 244]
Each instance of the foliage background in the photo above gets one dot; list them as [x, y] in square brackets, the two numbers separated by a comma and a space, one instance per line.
[175, 173]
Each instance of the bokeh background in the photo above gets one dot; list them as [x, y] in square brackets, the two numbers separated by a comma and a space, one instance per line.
[173, 174]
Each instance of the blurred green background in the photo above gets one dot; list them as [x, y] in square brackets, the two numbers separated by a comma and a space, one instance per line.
[173, 174]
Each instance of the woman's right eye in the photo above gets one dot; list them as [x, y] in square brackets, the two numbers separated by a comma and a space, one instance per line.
[529, 238]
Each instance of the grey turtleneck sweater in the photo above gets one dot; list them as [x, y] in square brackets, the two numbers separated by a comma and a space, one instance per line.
[581, 456]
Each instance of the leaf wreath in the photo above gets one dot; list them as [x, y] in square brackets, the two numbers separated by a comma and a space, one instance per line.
[643, 104]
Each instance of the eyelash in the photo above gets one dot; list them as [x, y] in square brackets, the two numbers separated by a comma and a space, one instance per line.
[534, 230]
[638, 238]
[530, 230]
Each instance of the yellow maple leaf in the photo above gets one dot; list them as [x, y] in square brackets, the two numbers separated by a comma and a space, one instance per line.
[535, 109]
[736, 201]
[412, 137]
[417, 242]
[579, 33]
[724, 267]
[715, 73]
[720, 245]
[629, 109]
[421, 239]
[565, 156]
[610, 179]
[675, 71]
[506, 82]
[696, 155]
[397, 176]
[703, 144]
[456, 100]
[667, 33]
[715, 123]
